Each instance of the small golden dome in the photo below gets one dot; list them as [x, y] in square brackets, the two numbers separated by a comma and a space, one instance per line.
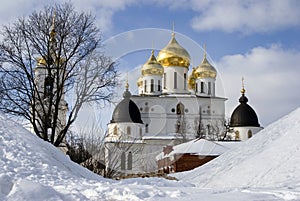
[174, 54]
[152, 67]
[192, 80]
[205, 69]
[41, 61]
[140, 82]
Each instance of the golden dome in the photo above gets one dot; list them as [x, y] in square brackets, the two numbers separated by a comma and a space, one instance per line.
[205, 69]
[41, 61]
[174, 54]
[152, 67]
[140, 82]
[192, 80]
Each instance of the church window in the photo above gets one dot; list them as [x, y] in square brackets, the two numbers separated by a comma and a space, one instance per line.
[48, 86]
[152, 85]
[158, 86]
[196, 87]
[249, 134]
[129, 161]
[209, 88]
[147, 128]
[123, 161]
[128, 130]
[145, 85]
[165, 80]
[179, 109]
[175, 80]
[115, 130]
[141, 132]
[202, 87]
[184, 81]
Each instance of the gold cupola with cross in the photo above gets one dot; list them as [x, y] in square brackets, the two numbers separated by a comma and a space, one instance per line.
[205, 69]
[173, 54]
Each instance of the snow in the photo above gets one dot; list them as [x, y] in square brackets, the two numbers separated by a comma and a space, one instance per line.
[267, 169]
[271, 159]
[199, 147]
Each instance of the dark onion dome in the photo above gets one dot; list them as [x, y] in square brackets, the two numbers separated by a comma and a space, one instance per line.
[244, 115]
[126, 111]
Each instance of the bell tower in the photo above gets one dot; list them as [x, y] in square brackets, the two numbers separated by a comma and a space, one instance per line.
[47, 74]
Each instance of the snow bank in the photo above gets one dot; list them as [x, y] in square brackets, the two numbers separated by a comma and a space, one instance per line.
[34, 170]
[270, 159]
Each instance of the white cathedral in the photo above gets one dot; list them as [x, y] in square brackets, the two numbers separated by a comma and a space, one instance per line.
[174, 104]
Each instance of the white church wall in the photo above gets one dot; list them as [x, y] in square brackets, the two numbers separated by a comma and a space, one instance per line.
[244, 133]
[178, 86]
[160, 114]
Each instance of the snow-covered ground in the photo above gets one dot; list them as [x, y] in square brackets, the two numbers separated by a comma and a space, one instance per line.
[264, 168]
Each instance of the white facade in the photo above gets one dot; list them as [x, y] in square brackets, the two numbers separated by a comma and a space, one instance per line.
[152, 85]
[243, 133]
[205, 87]
[175, 80]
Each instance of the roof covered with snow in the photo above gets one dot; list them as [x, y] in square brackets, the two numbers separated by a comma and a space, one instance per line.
[200, 147]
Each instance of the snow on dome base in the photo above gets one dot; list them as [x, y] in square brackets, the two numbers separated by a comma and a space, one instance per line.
[269, 159]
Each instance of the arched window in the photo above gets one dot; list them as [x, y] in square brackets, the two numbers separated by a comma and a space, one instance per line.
[158, 86]
[165, 80]
[184, 81]
[147, 128]
[175, 80]
[249, 134]
[201, 87]
[48, 86]
[145, 85]
[179, 109]
[123, 161]
[129, 161]
[152, 85]
[141, 132]
[128, 130]
[209, 88]
[115, 130]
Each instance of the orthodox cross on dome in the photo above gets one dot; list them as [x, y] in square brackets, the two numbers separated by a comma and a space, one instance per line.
[53, 43]
[173, 29]
[243, 86]
[127, 84]
[52, 32]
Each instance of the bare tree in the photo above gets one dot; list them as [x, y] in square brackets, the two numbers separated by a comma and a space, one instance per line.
[87, 148]
[67, 45]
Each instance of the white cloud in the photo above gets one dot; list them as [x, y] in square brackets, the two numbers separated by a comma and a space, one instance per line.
[271, 80]
[246, 16]
[104, 10]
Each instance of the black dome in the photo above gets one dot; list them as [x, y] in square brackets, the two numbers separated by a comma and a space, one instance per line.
[126, 111]
[244, 115]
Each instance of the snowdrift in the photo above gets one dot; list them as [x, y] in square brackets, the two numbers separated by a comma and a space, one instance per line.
[270, 159]
[34, 170]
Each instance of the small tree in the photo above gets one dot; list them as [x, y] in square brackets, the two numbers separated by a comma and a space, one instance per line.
[67, 45]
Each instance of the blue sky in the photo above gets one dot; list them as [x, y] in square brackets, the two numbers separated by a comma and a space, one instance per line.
[259, 40]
